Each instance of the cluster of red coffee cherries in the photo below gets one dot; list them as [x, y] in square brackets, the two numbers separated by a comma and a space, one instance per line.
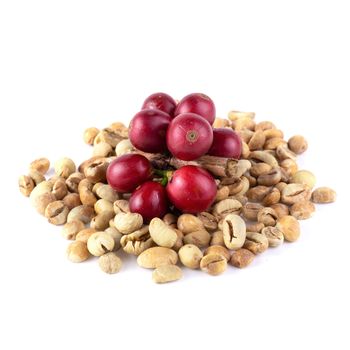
[185, 130]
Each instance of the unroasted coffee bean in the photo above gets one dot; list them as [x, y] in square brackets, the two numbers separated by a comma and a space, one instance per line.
[265, 157]
[218, 249]
[217, 238]
[242, 258]
[64, 167]
[124, 147]
[100, 243]
[96, 170]
[283, 152]
[36, 176]
[294, 193]
[273, 235]
[157, 256]
[101, 221]
[273, 142]
[77, 252]
[323, 195]
[209, 221]
[213, 264]
[110, 263]
[188, 223]
[85, 234]
[72, 200]
[290, 228]
[289, 165]
[107, 192]
[256, 242]
[83, 213]
[267, 216]
[258, 193]
[280, 209]
[302, 210]
[234, 231]
[265, 125]
[162, 234]
[226, 207]
[121, 206]
[190, 256]
[200, 238]
[250, 211]
[89, 135]
[42, 201]
[273, 133]
[166, 273]
[102, 205]
[257, 141]
[304, 177]
[255, 227]
[59, 189]
[272, 197]
[71, 229]
[102, 149]
[26, 185]
[56, 212]
[128, 222]
[260, 169]
[297, 144]
[137, 242]
[73, 181]
[41, 165]
[222, 193]
[271, 178]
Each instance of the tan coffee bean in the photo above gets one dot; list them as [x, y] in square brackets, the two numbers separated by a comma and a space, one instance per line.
[128, 222]
[280, 209]
[121, 206]
[77, 252]
[255, 227]
[72, 200]
[265, 157]
[273, 133]
[280, 186]
[290, 228]
[119, 128]
[200, 238]
[157, 256]
[188, 223]
[137, 242]
[302, 210]
[71, 229]
[56, 212]
[273, 142]
[103, 205]
[218, 249]
[102, 149]
[100, 243]
[304, 177]
[283, 152]
[297, 144]
[161, 233]
[166, 273]
[213, 264]
[101, 221]
[83, 213]
[294, 193]
[290, 166]
[272, 197]
[323, 195]
[234, 231]
[245, 150]
[265, 125]
[221, 123]
[222, 193]
[73, 181]
[36, 176]
[251, 179]
[89, 135]
[217, 238]
[267, 216]
[245, 135]
[250, 211]
[42, 201]
[170, 219]
[110, 263]
[124, 147]
[107, 192]
[257, 141]
[116, 235]
[271, 178]
[26, 185]
[41, 188]
[41, 165]
[260, 169]
[241, 258]
[226, 207]
[179, 241]
[258, 193]
[96, 170]
[85, 234]
[59, 189]
[273, 235]
[256, 242]
[209, 221]
[64, 167]
[109, 136]
[190, 256]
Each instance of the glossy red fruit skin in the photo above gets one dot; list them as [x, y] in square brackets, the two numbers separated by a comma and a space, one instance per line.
[191, 189]
[149, 200]
[160, 101]
[226, 143]
[128, 171]
[199, 104]
[189, 136]
[147, 131]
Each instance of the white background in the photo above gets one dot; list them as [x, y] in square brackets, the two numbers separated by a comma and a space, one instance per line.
[68, 65]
